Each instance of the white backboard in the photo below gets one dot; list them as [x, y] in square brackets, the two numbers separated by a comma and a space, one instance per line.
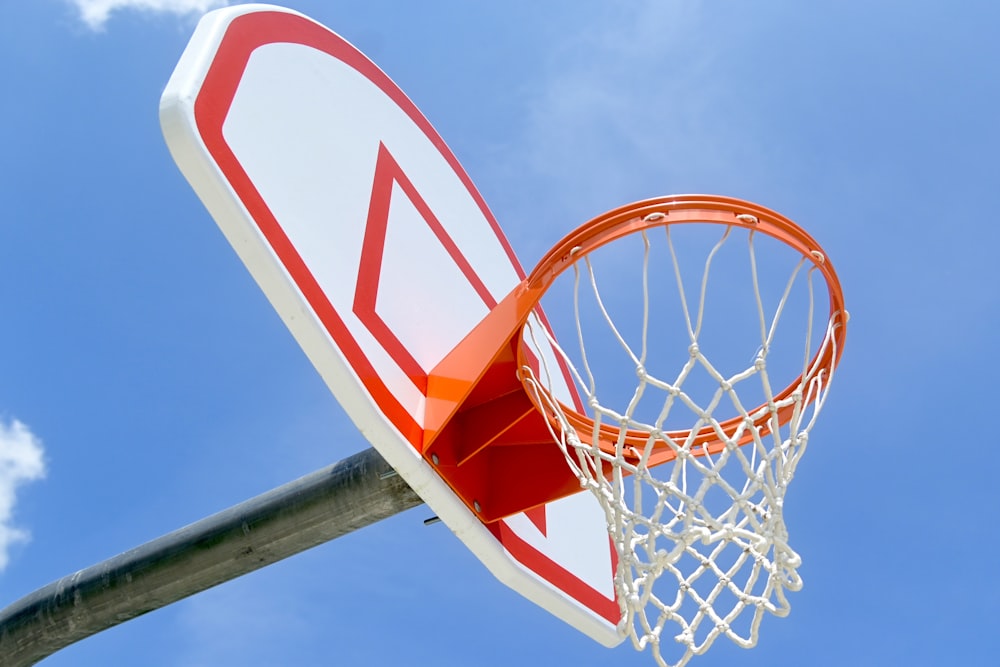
[374, 246]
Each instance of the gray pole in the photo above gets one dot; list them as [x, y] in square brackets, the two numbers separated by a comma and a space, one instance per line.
[319, 507]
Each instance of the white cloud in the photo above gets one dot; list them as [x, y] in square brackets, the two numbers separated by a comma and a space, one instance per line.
[96, 12]
[21, 460]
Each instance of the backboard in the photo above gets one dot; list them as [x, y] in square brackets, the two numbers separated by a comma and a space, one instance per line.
[373, 245]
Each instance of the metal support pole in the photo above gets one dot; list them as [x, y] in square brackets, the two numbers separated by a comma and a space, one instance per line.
[317, 508]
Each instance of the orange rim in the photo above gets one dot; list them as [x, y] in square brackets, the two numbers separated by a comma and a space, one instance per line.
[686, 209]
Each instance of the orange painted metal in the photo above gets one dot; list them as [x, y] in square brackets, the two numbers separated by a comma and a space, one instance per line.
[488, 438]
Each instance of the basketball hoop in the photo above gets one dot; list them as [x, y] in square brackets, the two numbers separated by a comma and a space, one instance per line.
[697, 510]
[495, 396]
[652, 405]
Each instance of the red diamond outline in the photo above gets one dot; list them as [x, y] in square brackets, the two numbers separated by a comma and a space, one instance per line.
[388, 172]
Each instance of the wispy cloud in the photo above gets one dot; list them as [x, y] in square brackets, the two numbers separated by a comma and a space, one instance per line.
[626, 106]
[96, 12]
[21, 460]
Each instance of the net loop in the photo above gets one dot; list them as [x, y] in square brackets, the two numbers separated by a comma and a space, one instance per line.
[692, 460]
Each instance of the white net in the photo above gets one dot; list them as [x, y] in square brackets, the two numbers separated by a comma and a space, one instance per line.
[691, 475]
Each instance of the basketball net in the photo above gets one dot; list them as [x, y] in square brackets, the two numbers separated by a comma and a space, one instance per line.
[695, 514]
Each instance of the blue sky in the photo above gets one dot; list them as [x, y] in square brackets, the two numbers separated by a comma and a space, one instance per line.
[142, 371]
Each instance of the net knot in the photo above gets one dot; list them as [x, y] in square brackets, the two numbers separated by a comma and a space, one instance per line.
[665, 558]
